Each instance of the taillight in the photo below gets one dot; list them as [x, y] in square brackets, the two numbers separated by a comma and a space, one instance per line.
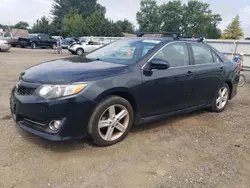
[6, 43]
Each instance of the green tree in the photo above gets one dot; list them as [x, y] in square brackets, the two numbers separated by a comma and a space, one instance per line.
[72, 25]
[212, 31]
[193, 18]
[97, 25]
[126, 26]
[61, 8]
[171, 16]
[233, 30]
[196, 17]
[21, 25]
[41, 26]
[148, 17]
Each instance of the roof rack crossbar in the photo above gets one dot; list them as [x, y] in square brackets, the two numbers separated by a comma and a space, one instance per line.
[175, 35]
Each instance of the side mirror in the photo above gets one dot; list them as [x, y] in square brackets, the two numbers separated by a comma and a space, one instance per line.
[158, 64]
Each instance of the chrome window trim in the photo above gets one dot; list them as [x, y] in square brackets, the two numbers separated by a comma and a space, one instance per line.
[161, 49]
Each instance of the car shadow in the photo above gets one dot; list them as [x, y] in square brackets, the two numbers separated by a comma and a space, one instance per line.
[80, 144]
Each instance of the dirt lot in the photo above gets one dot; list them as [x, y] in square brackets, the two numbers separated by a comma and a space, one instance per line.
[201, 149]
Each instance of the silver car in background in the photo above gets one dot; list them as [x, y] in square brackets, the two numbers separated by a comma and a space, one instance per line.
[4, 45]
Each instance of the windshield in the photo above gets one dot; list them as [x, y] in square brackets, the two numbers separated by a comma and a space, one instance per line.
[124, 51]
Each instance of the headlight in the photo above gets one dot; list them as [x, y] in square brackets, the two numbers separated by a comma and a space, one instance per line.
[56, 91]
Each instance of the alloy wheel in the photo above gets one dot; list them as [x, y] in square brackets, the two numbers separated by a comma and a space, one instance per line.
[222, 98]
[113, 123]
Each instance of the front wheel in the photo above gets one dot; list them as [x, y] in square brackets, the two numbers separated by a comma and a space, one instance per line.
[221, 98]
[79, 51]
[242, 80]
[110, 121]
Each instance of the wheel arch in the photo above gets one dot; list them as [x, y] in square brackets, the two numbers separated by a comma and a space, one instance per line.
[80, 48]
[230, 85]
[121, 92]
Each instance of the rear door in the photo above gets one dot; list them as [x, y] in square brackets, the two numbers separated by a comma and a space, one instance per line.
[40, 40]
[46, 40]
[209, 72]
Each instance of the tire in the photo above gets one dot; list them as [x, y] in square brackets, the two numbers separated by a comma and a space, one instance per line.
[33, 45]
[242, 80]
[100, 135]
[53, 46]
[79, 51]
[219, 105]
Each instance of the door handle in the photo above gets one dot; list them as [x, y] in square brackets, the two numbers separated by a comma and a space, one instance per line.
[189, 73]
[221, 69]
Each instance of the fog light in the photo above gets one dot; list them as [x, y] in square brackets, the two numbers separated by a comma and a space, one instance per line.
[55, 125]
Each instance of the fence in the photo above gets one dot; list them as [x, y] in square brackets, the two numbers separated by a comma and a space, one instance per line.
[228, 47]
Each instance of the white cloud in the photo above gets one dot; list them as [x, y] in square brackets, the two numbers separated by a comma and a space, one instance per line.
[245, 16]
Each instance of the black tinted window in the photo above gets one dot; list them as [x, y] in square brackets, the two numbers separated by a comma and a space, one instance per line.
[45, 37]
[176, 54]
[202, 54]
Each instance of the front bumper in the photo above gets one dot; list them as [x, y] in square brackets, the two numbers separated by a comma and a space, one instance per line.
[71, 50]
[33, 114]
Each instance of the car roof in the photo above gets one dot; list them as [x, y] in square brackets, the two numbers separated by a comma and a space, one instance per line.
[162, 39]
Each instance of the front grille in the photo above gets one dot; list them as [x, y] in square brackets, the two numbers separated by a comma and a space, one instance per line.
[25, 90]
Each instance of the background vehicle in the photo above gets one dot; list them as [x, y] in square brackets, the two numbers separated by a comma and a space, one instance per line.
[38, 40]
[7, 36]
[4, 45]
[69, 41]
[80, 48]
[127, 82]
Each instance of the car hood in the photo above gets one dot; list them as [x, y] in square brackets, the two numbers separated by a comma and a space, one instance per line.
[69, 70]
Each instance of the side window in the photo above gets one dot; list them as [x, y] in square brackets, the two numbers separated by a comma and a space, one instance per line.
[202, 54]
[45, 37]
[176, 54]
[216, 58]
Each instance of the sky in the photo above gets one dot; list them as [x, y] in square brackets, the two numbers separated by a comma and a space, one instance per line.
[12, 11]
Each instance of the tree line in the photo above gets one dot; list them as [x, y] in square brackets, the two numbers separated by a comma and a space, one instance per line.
[88, 18]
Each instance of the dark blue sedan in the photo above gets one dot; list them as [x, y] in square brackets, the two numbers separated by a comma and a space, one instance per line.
[130, 81]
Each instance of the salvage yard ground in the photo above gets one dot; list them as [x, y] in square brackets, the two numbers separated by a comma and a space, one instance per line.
[201, 149]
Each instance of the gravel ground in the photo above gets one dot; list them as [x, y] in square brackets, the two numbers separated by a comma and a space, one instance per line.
[201, 149]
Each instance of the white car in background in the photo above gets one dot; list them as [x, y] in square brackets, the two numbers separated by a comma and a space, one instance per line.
[80, 48]
[4, 45]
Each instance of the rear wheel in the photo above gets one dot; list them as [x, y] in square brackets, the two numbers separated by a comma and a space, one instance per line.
[53, 46]
[111, 121]
[33, 45]
[221, 98]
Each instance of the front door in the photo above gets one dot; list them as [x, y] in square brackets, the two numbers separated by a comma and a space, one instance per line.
[167, 91]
